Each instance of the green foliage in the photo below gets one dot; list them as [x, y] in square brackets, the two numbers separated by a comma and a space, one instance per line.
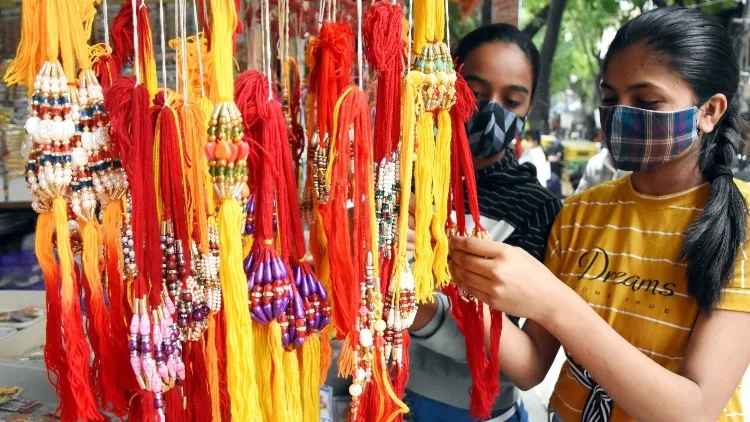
[584, 23]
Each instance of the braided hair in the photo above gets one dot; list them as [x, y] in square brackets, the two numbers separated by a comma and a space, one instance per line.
[700, 52]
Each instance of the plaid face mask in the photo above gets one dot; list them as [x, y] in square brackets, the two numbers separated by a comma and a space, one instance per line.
[641, 139]
[492, 128]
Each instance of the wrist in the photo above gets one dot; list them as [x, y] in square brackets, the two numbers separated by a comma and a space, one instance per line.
[560, 302]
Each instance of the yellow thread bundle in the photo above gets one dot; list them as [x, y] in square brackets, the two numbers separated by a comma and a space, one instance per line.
[263, 369]
[423, 214]
[292, 378]
[441, 186]
[224, 20]
[239, 338]
[278, 380]
[310, 381]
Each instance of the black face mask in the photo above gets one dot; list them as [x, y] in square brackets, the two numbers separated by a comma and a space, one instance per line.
[492, 128]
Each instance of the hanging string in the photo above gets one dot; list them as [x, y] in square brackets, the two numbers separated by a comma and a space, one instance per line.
[199, 48]
[105, 18]
[262, 34]
[286, 29]
[360, 67]
[177, 66]
[136, 65]
[411, 23]
[447, 26]
[183, 29]
[321, 13]
[269, 76]
[163, 46]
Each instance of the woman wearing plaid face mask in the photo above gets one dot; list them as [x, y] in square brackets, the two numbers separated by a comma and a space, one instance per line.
[647, 279]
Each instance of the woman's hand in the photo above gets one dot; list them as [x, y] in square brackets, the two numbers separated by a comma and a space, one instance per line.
[506, 278]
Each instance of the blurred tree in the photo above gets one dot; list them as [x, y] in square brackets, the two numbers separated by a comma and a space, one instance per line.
[576, 60]
[539, 117]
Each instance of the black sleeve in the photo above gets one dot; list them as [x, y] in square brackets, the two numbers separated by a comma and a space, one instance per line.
[533, 239]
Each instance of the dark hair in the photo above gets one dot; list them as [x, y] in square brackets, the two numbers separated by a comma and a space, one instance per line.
[500, 33]
[700, 51]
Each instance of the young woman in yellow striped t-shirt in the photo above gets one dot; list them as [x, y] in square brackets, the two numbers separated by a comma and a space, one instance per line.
[654, 306]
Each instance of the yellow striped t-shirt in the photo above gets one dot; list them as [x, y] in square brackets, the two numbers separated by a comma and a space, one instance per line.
[619, 249]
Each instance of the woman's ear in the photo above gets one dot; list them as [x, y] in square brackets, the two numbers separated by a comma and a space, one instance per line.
[710, 113]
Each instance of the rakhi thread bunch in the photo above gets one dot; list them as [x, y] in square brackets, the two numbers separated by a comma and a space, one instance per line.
[203, 299]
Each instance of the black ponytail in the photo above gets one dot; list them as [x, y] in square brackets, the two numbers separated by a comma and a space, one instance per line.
[700, 51]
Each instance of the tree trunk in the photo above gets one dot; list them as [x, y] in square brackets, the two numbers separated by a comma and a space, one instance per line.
[537, 22]
[486, 12]
[539, 118]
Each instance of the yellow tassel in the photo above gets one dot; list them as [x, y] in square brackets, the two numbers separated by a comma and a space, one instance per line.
[224, 19]
[194, 130]
[440, 188]
[292, 369]
[423, 254]
[409, 105]
[424, 23]
[319, 241]
[310, 385]
[64, 252]
[277, 380]
[45, 226]
[30, 52]
[239, 338]
[212, 363]
[263, 370]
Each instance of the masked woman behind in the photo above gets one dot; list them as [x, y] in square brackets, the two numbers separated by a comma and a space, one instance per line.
[646, 281]
[501, 65]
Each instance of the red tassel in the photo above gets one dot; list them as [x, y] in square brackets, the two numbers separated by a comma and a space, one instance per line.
[118, 308]
[77, 349]
[469, 315]
[121, 36]
[460, 114]
[384, 49]
[226, 406]
[334, 55]
[54, 352]
[107, 70]
[199, 392]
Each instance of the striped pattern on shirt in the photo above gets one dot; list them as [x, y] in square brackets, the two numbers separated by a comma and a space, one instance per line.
[619, 250]
[510, 192]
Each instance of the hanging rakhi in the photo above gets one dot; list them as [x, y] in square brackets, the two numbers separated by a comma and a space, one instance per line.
[99, 179]
[124, 24]
[469, 313]
[50, 130]
[268, 276]
[383, 36]
[432, 58]
[111, 184]
[227, 154]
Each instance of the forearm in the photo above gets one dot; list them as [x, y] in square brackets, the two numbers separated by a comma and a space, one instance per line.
[425, 314]
[627, 375]
[436, 330]
[525, 358]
